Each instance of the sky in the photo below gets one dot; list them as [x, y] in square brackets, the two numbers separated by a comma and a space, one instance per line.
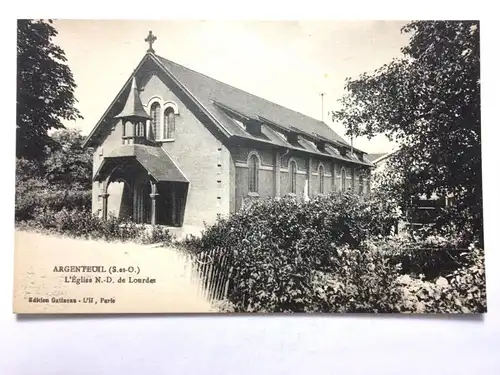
[288, 62]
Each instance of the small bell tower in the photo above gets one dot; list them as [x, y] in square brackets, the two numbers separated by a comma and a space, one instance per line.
[134, 118]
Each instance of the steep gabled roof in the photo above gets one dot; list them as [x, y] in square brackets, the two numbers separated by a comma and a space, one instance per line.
[219, 101]
[210, 91]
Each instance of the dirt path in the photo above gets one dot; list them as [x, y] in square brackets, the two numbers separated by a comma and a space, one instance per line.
[176, 288]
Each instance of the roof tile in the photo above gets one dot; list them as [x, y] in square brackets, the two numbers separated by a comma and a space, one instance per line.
[210, 91]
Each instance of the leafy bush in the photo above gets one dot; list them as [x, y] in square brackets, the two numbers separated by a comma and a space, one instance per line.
[26, 169]
[276, 246]
[37, 193]
[157, 235]
[431, 256]
[457, 222]
[62, 178]
[224, 306]
[333, 254]
[463, 291]
[360, 281]
[342, 218]
[82, 223]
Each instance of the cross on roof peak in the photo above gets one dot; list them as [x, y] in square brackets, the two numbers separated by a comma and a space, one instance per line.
[150, 39]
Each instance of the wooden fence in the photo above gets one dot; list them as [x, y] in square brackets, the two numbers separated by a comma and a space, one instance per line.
[211, 272]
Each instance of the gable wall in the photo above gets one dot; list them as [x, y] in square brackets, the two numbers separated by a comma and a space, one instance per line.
[204, 160]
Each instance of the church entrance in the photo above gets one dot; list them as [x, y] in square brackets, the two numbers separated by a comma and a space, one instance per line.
[171, 203]
[142, 184]
[129, 194]
[136, 201]
[141, 202]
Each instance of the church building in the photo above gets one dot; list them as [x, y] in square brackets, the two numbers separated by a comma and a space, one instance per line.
[178, 148]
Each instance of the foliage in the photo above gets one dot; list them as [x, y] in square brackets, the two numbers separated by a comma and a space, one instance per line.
[428, 101]
[340, 217]
[224, 306]
[275, 246]
[430, 256]
[37, 193]
[324, 274]
[26, 170]
[66, 161]
[359, 281]
[62, 179]
[82, 223]
[159, 234]
[335, 254]
[45, 94]
[368, 281]
[463, 291]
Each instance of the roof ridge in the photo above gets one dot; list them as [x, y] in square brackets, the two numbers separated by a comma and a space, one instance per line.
[249, 93]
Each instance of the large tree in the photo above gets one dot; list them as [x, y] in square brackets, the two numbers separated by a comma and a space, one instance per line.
[45, 87]
[428, 101]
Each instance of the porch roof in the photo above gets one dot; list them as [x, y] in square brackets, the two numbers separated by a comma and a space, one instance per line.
[153, 159]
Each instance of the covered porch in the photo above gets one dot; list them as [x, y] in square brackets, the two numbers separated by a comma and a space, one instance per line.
[142, 183]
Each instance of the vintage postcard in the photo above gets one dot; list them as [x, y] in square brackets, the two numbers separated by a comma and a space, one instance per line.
[269, 167]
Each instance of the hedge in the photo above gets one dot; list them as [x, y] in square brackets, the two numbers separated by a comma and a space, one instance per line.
[38, 194]
[84, 224]
[330, 254]
[277, 246]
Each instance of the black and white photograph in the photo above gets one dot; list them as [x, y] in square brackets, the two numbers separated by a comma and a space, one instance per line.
[248, 167]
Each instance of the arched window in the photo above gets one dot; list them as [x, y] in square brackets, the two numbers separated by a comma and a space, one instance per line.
[169, 123]
[253, 174]
[361, 184]
[321, 175]
[342, 174]
[292, 170]
[155, 120]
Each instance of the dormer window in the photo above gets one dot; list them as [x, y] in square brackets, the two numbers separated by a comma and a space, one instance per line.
[321, 146]
[281, 135]
[292, 137]
[332, 150]
[239, 122]
[253, 127]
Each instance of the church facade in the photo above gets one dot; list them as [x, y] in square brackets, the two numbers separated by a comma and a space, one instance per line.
[178, 148]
